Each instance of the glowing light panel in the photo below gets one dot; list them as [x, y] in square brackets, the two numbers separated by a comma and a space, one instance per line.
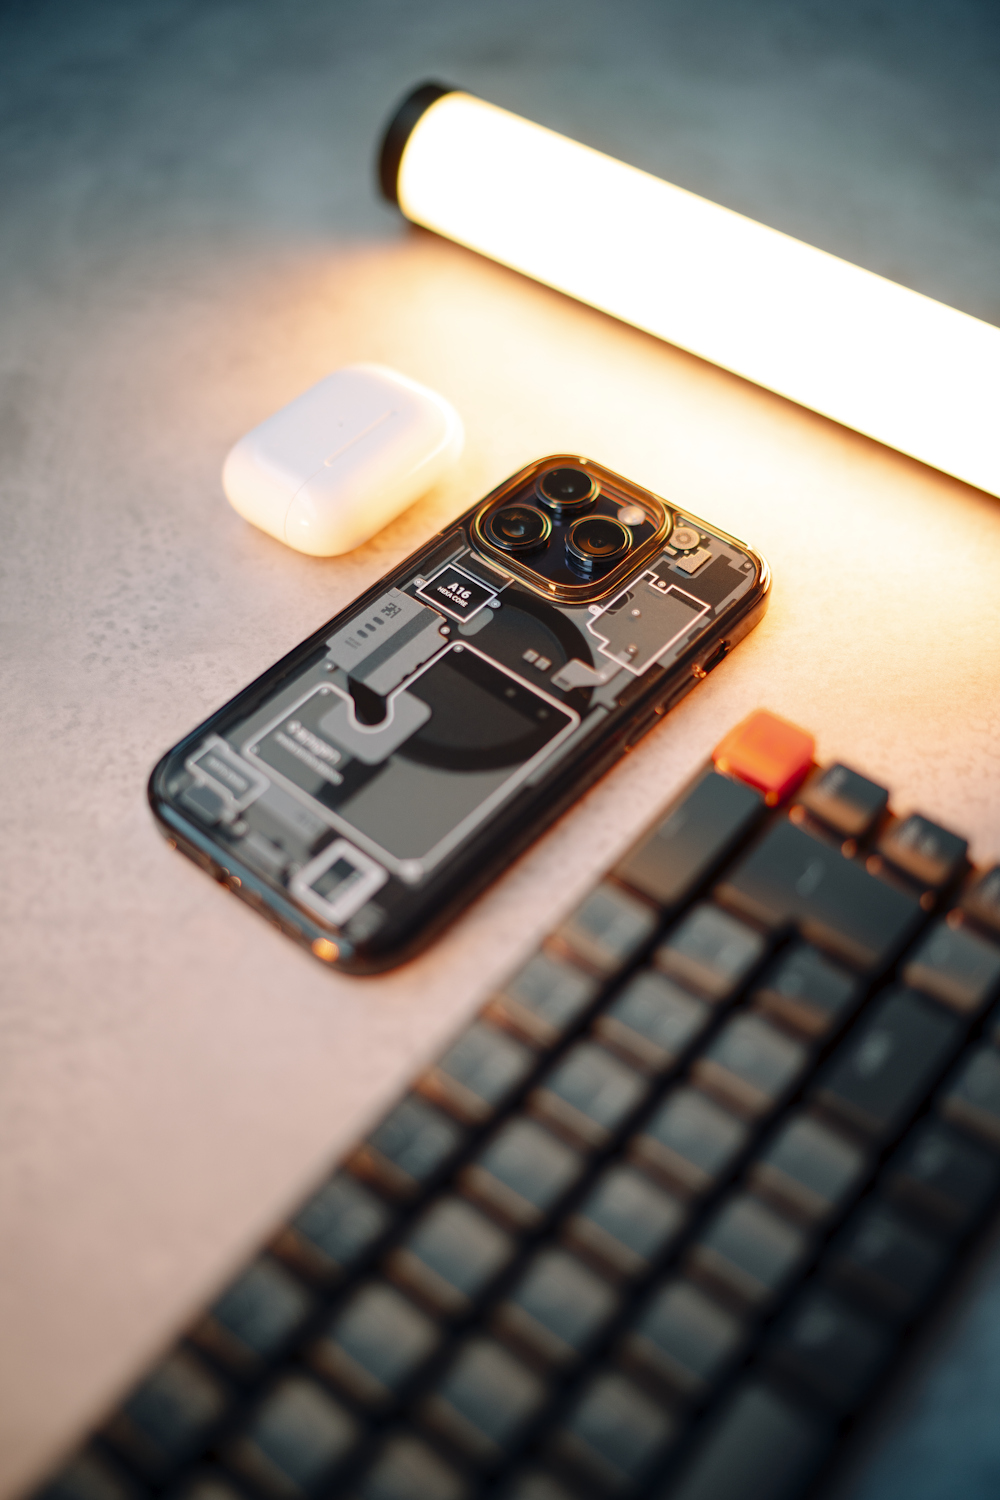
[873, 355]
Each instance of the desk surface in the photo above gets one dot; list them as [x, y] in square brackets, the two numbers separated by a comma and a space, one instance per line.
[190, 240]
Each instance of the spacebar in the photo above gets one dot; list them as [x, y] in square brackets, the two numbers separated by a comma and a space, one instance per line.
[790, 877]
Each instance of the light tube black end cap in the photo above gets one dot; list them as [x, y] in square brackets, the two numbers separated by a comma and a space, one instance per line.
[398, 132]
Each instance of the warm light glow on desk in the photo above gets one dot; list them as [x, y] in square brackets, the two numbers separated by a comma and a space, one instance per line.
[873, 355]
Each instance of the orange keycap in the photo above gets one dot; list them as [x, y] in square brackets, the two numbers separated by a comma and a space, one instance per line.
[768, 752]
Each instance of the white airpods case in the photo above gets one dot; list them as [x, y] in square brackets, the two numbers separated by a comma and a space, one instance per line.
[338, 463]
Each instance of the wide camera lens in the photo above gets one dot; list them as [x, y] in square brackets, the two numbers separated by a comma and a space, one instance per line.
[518, 528]
[566, 489]
[596, 540]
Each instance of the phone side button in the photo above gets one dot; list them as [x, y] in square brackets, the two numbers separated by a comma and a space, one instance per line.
[640, 730]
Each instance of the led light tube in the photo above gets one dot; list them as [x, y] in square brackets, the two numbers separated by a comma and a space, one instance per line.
[895, 365]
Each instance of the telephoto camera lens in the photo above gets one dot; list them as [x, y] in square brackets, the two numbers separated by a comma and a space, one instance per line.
[596, 540]
[518, 528]
[566, 489]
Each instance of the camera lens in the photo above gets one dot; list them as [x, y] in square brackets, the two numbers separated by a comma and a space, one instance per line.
[566, 489]
[597, 539]
[518, 528]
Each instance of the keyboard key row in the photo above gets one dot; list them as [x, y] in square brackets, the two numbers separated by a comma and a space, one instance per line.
[791, 879]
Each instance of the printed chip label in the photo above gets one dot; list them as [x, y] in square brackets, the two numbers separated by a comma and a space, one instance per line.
[457, 593]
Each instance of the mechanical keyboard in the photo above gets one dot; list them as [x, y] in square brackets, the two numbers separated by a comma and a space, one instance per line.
[663, 1216]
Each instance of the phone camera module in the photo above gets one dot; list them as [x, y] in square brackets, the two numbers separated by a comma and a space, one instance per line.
[565, 490]
[518, 528]
[595, 541]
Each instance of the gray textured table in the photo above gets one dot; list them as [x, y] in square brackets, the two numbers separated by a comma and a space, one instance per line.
[189, 237]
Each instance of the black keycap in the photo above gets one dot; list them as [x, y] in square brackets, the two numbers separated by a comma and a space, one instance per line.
[410, 1148]
[943, 1175]
[485, 1400]
[451, 1255]
[523, 1172]
[335, 1229]
[982, 899]
[673, 859]
[295, 1441]
[809, 1169]
[408, 1469]
[626, 1222]
[991, 1031]
[956, 966]
[545, 999]
[750, 1066]
[791, 877]
[923, 850]
[615, 1433]
[608, 928]
[653, 1021]
[207, 1485]
[805, 990]
[884, 1257]
[972, 1096]
[167, 1419]
[253, 1322]
[711, 952]
[827, 1344]
[538, 1484]
[375, 1343]
[685, 1338]
[589, 1094]
[89, 1476]
[759, 1447]
[879, 1075]
[558, 1307]
[749, 1250]
[690, 1141]
[478, 1073]
[845, 801]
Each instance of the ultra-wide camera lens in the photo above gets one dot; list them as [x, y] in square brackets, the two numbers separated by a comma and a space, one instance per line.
[595, 540]
[518, 528]
[566, 489]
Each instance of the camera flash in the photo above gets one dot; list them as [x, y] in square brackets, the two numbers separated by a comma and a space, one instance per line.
[631, 515]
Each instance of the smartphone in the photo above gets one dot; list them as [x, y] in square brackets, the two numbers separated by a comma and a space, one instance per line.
[367, 786]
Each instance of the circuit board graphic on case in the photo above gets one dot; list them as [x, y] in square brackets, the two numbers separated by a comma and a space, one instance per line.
[367, 786]
[666, 1212]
